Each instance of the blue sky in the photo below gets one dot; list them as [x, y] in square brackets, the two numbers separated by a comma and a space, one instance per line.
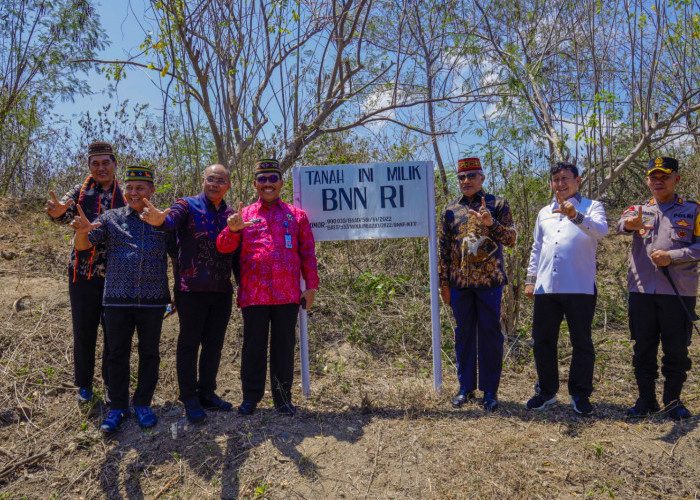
[123, 22]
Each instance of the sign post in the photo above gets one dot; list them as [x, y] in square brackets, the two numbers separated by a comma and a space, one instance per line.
[371, 201]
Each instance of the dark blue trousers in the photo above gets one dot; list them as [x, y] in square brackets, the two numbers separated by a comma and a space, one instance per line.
[478, 333]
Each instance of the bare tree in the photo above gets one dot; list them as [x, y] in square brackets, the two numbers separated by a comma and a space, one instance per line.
[37, 39]
[617, 77]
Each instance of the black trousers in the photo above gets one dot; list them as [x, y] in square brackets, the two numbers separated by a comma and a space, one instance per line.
[86, 310]
[550, 310]
[653, 319]
[280, 322]
[121, 323]
[203, 320]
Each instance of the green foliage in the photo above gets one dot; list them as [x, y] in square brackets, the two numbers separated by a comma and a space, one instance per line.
[43, 46]
[380, 287]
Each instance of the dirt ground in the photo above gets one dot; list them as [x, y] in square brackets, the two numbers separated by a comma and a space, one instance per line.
[373, 427]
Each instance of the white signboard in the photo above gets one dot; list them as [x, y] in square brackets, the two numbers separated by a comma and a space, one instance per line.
[366, 201]
[377, 200]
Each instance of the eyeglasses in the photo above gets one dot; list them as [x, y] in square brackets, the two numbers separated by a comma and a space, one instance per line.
[216, 180]
[272, 178]
[463, 177]
[662, 178]
[558, 180]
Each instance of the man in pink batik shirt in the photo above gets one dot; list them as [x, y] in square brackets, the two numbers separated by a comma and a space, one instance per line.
[277, 248]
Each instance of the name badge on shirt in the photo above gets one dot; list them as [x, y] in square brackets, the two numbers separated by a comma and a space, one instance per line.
[288, 240]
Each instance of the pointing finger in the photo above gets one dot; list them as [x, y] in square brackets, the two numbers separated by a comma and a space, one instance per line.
[483, 202]
[80, 211]
[53, 197]
[148, 203]
[240, 207]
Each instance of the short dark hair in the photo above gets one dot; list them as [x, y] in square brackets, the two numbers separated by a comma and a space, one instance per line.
[562, 165]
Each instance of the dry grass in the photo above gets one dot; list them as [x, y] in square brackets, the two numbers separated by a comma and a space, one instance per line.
[373, 428]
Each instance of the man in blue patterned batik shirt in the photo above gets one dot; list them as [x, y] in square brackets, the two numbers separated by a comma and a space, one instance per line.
[135, 296]
[203, 289]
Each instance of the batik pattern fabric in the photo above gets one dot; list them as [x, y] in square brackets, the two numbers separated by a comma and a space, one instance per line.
[94, 200]
[136, 273]
[200, 266]
[275, 252]
[471, 254]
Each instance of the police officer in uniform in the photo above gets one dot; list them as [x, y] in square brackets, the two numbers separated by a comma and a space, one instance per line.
[665, 250]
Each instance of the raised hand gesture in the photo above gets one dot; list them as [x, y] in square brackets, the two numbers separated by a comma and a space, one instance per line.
[565, 207]
[235, 222]
[81, 224]
[152, 215]
[635, 222]
[483, 215]
[55, 208]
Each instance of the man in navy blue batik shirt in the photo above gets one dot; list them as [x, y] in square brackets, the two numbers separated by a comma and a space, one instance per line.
[203, 289]
[135, 295]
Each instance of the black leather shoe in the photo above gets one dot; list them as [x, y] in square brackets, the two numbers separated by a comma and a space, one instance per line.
[490, 402]
[463, 397]
[194, 411]
[643, 408]
[287, 409]
[214, 403]
[679, 412]
[247, 407]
